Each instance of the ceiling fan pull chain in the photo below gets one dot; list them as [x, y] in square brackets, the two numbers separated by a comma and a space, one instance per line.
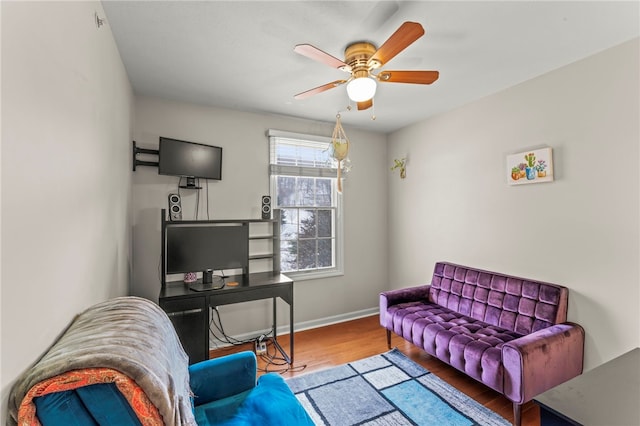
[340, 148]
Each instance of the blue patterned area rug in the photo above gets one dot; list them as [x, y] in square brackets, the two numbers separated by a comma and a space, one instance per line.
[387, 389]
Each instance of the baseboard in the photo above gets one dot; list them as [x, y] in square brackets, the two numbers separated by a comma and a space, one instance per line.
[335, 319]
[301, 326]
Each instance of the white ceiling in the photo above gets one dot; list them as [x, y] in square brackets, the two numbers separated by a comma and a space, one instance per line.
[239, 54]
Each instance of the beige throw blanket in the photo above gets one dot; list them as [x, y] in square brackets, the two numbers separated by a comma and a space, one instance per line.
[128, 334]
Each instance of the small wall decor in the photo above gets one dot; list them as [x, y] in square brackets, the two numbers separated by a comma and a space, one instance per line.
[400, 163]
[534, 166]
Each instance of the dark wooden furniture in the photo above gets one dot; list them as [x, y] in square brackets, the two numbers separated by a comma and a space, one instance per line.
[189, 310]
[607, 395]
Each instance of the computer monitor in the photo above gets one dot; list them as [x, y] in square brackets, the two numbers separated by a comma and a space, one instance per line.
[197, 248]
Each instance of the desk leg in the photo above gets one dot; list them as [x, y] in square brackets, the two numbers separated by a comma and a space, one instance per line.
[286, 357]
[275, 320]
[275, 325]
[291, 330]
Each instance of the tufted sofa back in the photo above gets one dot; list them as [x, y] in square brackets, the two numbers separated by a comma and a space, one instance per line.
[513, 303]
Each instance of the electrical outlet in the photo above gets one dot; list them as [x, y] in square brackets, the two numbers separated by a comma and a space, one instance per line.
[261, 347]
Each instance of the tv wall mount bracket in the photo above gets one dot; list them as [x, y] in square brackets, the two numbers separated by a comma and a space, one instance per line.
[137, 151]
[191, 182]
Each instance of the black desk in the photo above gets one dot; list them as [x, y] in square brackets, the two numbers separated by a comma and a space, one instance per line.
[189, 310]
[607, 395]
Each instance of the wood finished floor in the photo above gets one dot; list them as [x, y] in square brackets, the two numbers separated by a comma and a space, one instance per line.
[338, 344]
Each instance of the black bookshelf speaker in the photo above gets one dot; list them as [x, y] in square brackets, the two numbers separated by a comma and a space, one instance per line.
[266, 207]
[175, 207]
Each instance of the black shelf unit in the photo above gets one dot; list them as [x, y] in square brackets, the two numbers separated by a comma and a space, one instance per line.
[189, 311]
[274, 236]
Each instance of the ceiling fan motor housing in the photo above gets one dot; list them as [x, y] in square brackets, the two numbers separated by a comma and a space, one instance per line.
[357, 56]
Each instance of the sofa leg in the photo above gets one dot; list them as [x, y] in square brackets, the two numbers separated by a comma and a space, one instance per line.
[517, 414]
[388, 338]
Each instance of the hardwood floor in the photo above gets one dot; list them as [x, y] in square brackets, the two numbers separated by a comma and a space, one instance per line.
[337, 344]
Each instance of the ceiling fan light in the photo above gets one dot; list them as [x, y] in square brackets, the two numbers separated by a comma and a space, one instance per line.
[361, 89]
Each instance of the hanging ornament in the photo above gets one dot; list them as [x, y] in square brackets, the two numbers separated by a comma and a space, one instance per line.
[340, 147]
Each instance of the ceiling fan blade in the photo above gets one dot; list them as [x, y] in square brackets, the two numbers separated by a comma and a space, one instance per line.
[365, 104]
[400, 40]
[318, 55]
[319, 89]
[415, 77]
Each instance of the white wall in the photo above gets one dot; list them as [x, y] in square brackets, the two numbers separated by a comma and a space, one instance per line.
[66, 177]
[580, 231]
[244, 180]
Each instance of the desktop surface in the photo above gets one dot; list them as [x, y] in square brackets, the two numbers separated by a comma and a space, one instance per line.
[244, 283]
[190, 311]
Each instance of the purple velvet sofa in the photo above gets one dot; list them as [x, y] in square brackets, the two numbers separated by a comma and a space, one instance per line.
[507, 332]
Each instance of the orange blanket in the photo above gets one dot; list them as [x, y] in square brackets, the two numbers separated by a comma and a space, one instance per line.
[146, 412]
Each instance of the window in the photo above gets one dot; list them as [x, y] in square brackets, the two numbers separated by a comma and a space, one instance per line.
[303, 187]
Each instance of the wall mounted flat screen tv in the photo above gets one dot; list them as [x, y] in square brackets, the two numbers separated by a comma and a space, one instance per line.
[189, 159]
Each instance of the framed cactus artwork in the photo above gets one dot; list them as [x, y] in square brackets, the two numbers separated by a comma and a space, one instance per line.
[534, 166]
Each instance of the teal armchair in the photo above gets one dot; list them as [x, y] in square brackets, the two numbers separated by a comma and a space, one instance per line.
[226, 392]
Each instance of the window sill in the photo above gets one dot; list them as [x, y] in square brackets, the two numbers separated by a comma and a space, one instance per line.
[313, 275]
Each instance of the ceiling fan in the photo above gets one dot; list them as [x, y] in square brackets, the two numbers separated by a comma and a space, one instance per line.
[362, 59]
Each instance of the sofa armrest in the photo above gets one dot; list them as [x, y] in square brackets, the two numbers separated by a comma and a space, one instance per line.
[219, 378]
[393, 297]
[541, 360]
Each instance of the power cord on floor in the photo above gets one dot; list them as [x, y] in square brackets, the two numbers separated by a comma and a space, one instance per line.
[274, 362]
[225, 337]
